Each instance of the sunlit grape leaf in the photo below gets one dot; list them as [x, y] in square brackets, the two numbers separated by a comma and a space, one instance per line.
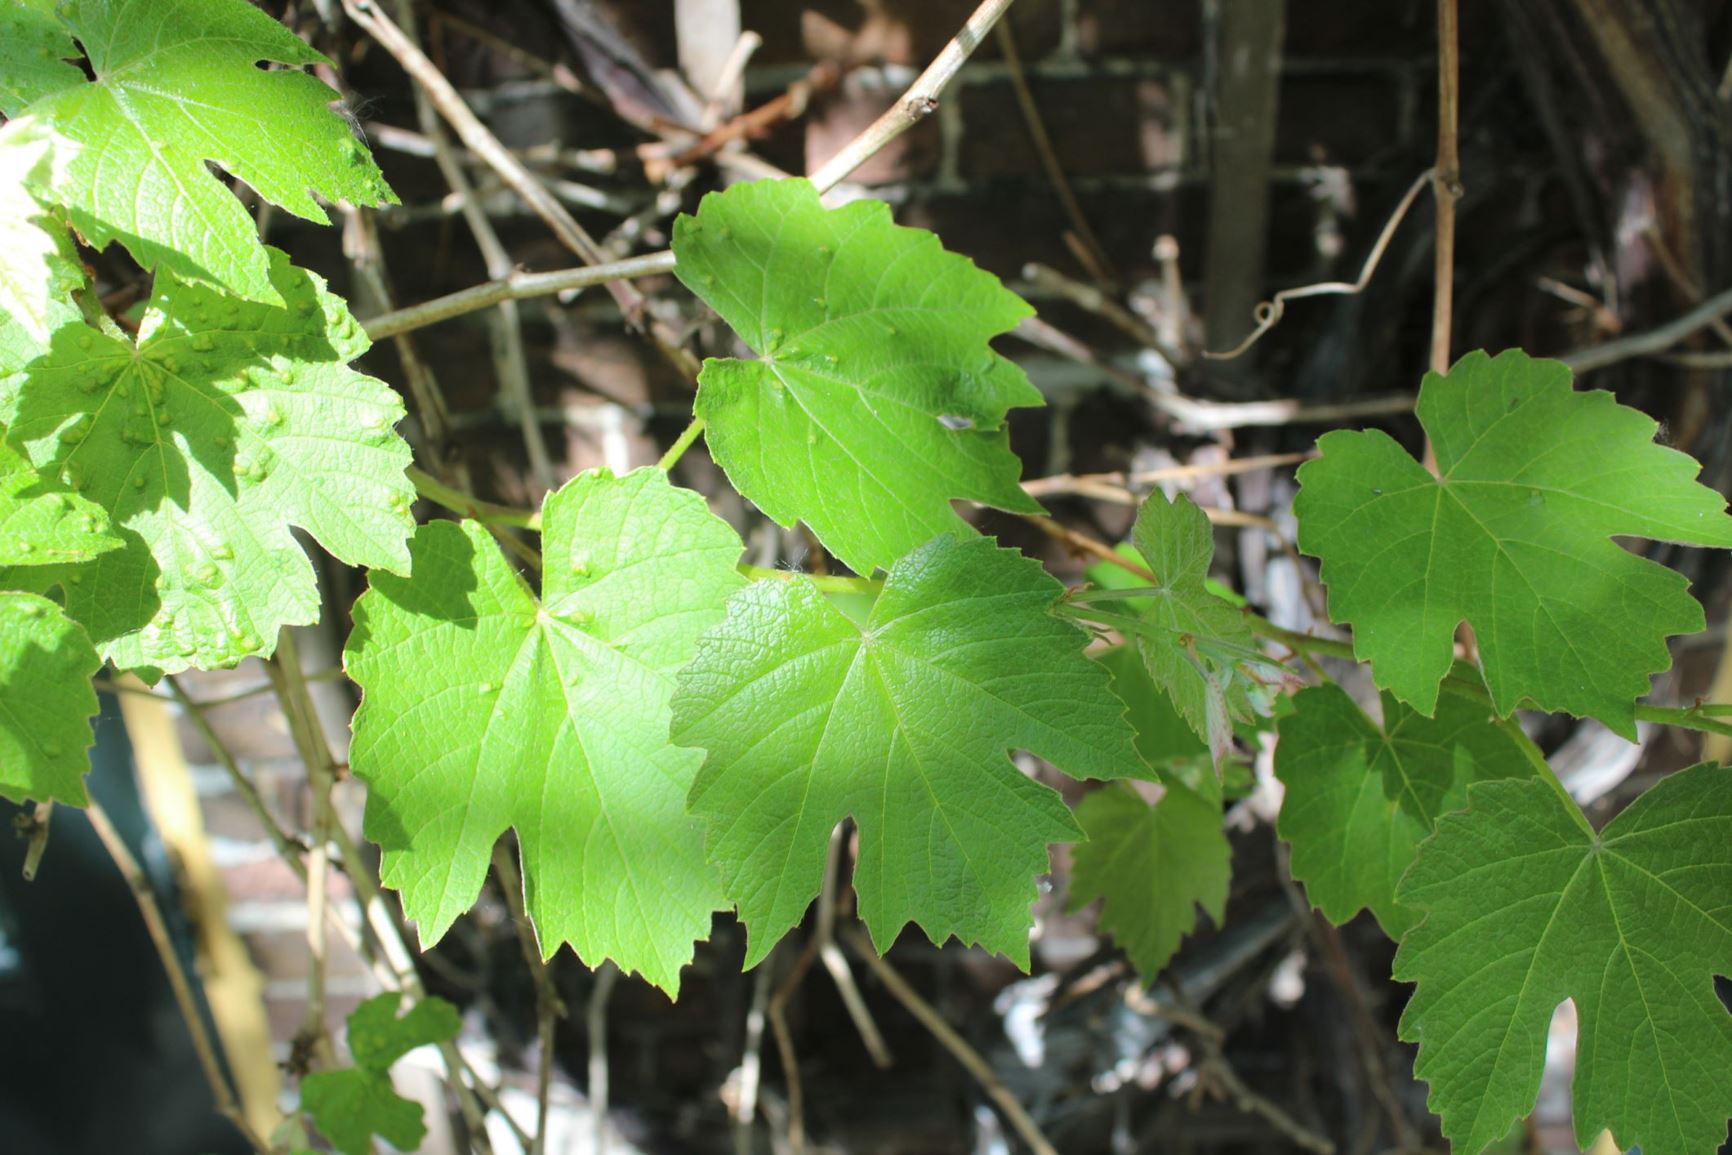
[1152, 866]
[352, 1104]
[1526, 906]
[1198, 640]
[1514, 536]
[43, 523]
[1360, 797]
[876, 398]
[39, 267]
[46, 702]
[904, 722]
[483, 709]
[226, 424]
[34, 52]
[177, 84]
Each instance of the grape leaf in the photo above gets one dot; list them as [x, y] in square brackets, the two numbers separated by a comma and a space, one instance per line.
[483, 710]
[875, 399]
[177, 84]
[224, 425]
[1514, 537]
[39, 268]
[352, 1104]
[46, 702]
[34, 52]
[1360, 798]
[1198, 639]
[41, 523]
[1152, 866]
[903, 722]
[1526, 906]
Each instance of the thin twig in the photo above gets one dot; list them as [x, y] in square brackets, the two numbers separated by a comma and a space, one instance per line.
[1268, 314]
[918, 103]
[145, 897]
[515, 287]
[1653, 341]
[469, 505]
[35, 827]
[954, 1043]
[1446, 181]
[312, 1047]
[1198, 415]
[785, 1045]
[506, 328]
[606, 976]
[1091, 297]
[1100, 266]
[1064, 483]
[831, 956]
[549, 1008]
[1082, 543]
[481, 141]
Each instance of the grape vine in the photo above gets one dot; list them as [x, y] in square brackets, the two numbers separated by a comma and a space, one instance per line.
[670, 733]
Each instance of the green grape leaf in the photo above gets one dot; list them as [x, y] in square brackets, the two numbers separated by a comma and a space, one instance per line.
[177, 84]
[1360, 798]
[875, 399]
[224, 425]
[1163, 735]
[42, 523]
[352, 1104]
[1514, 536]
[1198, 640]
[1152, 866]
[904, 722]
[483, 709]
[35, 50]
[46, 702]
[1526, 906]
[39, 269]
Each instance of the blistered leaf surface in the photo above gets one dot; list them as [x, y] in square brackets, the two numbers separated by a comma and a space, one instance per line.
[903, 721]
[484, 709]
[875, 399]
[226, 423]
[46, 702]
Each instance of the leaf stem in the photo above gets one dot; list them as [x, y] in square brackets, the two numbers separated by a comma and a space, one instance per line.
[467, 504]
[685, 441]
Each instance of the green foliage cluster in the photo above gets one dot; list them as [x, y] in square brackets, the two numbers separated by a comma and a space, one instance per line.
[669, 735]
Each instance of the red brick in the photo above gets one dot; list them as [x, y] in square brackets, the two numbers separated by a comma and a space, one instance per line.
[1097, 127]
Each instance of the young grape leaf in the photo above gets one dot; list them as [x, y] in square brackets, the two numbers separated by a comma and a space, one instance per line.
[876, 399]
[903, 722]
[1197, 639]
[177, 83]
[42, 523]
[35, 50]
[484, 710]
[46, 702]
[1360, 798]
[1152, 866]
[1526, 906]
[352, 1104]
[1513, 536]
[225, 424]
